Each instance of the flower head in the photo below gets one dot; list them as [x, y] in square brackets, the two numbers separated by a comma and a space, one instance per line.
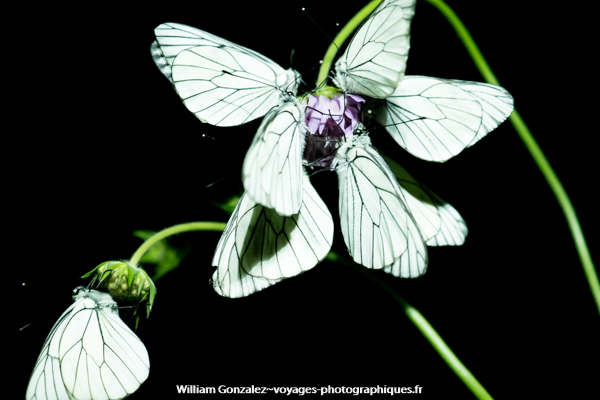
[125, 283]
[331, 116]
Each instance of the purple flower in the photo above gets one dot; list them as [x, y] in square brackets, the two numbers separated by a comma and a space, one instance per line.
[329, 118]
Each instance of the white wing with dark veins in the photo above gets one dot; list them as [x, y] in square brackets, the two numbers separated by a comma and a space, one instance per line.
[377, 225]
[222, 83]
[89, 354]
[435, 119]
[375, 59]
[272, 171]
[259, 247]
[440, 224]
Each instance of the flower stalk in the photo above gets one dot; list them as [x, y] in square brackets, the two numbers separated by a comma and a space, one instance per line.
[412, 313]
[341, 38]
[424, 327]
[173, 230]
[534, 149]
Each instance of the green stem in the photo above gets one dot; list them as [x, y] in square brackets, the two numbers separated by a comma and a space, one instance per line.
[535, 151]
[341, 38]
[424, 327]
[173, 230]
[412, 313]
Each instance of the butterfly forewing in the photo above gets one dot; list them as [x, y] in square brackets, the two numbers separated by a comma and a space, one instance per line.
[46, 380]
[375, 60]
[173, 38]
[222, 83]
[496, 103]
[272, 172]
[376, 223]
[435, 119]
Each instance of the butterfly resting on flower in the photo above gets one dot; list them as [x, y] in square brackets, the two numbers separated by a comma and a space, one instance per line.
[281, 227]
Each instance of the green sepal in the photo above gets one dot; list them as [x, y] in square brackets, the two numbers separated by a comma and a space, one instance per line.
[126, 283]
[328, 91]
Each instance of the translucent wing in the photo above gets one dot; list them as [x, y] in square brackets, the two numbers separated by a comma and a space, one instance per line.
[272, 171]
[46, 380]
[375, 59]
[435, 119]
[259, 247]
[440, 224]
[222, 83]
[413, 262]
[90, 353]
[173, 38]
[377, 226]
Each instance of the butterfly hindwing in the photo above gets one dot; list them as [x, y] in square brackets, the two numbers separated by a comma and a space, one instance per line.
[440, 224]
[259, 247]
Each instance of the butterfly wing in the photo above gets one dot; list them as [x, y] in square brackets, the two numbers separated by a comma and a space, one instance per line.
[435, 119]
[377, 226]
[272, 172]
[440, 224]
[90, 353]
[46, 380]
[173, 38]
[222, 83]
[100, 356]
[259, 247]
[375, 59]
[413, 262]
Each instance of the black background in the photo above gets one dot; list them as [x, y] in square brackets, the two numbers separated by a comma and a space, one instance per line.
[98, 144]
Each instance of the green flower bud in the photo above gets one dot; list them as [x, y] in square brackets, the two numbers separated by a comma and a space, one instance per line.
[125, 282]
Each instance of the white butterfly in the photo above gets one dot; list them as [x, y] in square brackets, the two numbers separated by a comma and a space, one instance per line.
[89, 354]
[375, 59]
[378, 227]
[222, 83]
[259, 247]
[225, 84]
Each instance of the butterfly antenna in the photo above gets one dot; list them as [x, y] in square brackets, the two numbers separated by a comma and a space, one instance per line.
[105, 274]
[214, 183]
[317, 25]
[313, 173]
[299, 78]
[20, 329]
[89, 286]
[204, 135]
